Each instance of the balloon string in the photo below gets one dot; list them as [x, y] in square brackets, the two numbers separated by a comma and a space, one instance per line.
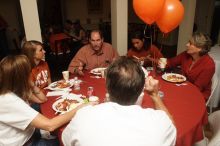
[162, 42]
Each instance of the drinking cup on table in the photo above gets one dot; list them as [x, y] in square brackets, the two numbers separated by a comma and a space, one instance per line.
[65, 75]
[93, 99]
[162, 63]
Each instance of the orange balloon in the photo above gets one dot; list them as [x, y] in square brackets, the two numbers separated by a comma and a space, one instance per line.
[171, 15]
[148, 10]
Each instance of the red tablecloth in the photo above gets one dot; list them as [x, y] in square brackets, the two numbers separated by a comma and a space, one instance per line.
[185, 103]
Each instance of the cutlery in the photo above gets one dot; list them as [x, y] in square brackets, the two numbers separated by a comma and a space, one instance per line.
[182, 84]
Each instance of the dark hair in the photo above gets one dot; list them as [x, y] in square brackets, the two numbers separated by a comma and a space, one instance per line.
[96, 30]
[202, 41]
[124, 81]
[29, 49]
[140, 35]
[14, 75]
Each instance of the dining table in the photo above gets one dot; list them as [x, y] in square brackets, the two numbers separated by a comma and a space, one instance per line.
[184, 101]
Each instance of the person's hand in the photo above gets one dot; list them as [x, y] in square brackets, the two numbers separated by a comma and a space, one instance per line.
[152, 86]
[79, 69]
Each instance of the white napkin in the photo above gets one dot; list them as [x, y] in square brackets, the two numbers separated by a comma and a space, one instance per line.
[58, 93]
[73, 96]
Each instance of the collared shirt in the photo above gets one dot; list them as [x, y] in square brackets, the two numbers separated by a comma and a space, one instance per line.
[90, 59]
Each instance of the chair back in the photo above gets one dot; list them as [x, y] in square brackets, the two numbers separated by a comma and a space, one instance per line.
[211, 97]
[214, 121]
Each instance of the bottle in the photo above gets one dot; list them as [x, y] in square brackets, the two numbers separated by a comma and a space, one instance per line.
[76, 84]
[90, 91]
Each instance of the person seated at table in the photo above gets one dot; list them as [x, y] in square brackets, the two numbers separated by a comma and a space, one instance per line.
[40, 73]
[67, 26]
[143, 50]
[95, 54]
[195, 63]
[121, 121]
[78, 35]
[18, 120]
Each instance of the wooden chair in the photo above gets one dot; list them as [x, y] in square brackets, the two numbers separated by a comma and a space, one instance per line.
[62, 46]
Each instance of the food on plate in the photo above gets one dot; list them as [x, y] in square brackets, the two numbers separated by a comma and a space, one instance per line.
[61, 84]
[66, 105]
[175, 78]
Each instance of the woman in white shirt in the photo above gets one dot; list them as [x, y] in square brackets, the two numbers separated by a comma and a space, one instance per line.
[17, 119]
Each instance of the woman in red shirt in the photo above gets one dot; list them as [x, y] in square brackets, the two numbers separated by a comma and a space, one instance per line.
[40, 73]
[196, 64]
[143, 51]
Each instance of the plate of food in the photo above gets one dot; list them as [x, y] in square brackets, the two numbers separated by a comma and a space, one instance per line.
[97, 71]
[60, 85]
[174, 78]
[63, 105]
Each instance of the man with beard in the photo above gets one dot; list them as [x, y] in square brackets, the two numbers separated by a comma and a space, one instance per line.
[95, 54]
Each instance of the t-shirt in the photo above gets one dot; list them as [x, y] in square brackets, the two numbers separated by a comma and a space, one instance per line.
[111, 124]
[40, 74]
[15, 119]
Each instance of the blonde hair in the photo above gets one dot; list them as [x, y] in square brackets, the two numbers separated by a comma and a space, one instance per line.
[29, 49]
[202, 41]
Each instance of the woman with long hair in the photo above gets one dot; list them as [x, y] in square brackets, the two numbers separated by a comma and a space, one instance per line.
[17, 119]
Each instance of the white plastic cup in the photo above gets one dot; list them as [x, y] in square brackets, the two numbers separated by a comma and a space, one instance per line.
[93, 99]
[162, 63]
[65, 75]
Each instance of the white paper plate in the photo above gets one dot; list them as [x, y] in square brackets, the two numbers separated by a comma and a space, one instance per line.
[53, 86]
[72, 106]
[97, 71]
[174, 78]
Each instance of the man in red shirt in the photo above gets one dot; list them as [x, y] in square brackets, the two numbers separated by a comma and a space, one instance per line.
[95, 54]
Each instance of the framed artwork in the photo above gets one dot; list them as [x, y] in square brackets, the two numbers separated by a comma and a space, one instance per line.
[95, 6]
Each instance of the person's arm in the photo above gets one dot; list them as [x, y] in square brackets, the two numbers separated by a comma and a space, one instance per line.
[76, 65]
[152, 87]
[44, 123]
[36, 96]
[203, 79]
[154, 54]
